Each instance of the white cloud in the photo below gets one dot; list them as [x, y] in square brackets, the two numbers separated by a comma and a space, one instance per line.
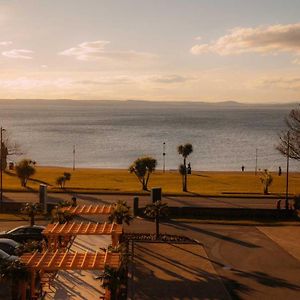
[296, 61]
[291, 83]
[264, 40]
[5, 43]
[25, 83]
[170, 79]
[18, 53]
[96, 50]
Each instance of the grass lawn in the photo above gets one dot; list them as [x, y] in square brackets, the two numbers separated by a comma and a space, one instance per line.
[113, 180]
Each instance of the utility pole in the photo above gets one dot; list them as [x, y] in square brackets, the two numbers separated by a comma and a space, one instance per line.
[287, 172]
[1, 171]
[164, 157]
[255, 161]
[73, 157]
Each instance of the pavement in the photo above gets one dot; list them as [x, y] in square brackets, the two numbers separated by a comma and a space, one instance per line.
[197, 201]
[250, 262]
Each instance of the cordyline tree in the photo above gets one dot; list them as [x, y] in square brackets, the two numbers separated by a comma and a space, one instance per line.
[61, 180]
[156, 210]
[142, 168]
[8, 149]
[185, 151]
[31, 210]
[24, 170]
[120, 213]
[292, 135]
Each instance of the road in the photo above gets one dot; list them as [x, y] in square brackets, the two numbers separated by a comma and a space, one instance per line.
[172, 201]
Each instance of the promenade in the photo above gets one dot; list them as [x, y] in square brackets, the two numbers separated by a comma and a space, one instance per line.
[227, 201]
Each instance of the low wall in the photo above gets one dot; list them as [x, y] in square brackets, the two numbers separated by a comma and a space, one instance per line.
[227, 213]
[15, 207]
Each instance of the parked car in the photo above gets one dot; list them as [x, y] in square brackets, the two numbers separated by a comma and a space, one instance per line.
[24, 233]
[5, 256]
[9, 246]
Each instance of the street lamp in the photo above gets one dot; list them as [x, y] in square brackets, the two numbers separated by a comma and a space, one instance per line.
[1, 171]
[164, 157]
[287, 172]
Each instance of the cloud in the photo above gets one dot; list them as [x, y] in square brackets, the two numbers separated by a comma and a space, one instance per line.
[170, 79]
[118, 80]
[25, 83]
[96, 50]
[18, 53]
[282, 83]
[264, 40]
[296, 61]
[5, 43]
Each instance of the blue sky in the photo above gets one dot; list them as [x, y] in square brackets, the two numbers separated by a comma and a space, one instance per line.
[248, 51]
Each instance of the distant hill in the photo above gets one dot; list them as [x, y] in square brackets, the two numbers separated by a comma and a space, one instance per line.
[153, 104]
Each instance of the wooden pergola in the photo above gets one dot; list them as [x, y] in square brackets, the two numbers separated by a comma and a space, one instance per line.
[88, 209]
[49, 261]
[66, 260]
[82, 229]
[60, 235]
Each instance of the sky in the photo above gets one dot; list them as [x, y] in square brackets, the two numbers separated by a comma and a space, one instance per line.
[160, 50]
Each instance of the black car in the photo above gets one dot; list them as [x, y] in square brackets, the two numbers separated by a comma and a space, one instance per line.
[24, 233]
[9, 246]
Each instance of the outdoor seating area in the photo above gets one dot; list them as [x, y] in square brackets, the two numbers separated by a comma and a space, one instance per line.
[56, 255]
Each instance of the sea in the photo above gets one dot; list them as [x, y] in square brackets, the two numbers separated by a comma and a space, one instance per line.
[112, 134]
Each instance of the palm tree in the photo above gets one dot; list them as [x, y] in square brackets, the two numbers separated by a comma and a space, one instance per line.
[142, 168]
[120, 213]
[266, 180]
[31, 210]
[185, 151]
[111, 281]
[24, 170]
[16, 273]
[62, 217]
[156, 210]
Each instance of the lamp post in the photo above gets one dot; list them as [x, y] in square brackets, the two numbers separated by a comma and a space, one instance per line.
[287, 172]
[164, 157]
[73, 157]
[1, 171]
[256, 161]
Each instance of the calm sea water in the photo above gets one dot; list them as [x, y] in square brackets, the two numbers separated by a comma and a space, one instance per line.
[113, 134]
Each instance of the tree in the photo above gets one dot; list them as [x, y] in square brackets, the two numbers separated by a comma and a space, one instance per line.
[8, 149]
[293, 124]
[142, 168]
[31, 210]
[61, 216]
[266, 180]
[111, 281]
[156, 210]
[185, 151]
[61, 180]
[120, 213]
[25, 169]
[18, 274]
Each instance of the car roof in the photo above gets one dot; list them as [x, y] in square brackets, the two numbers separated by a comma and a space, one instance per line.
[3, 254]
[9, 242]
[27, 226]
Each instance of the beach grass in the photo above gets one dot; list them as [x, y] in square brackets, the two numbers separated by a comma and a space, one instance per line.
[91, 180]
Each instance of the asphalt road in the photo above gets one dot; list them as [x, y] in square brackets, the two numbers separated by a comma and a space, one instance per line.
[172, 201]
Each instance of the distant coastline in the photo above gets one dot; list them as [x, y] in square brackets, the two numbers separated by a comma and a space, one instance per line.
[130, 102]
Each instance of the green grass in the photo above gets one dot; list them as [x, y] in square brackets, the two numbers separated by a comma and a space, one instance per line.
[121, 181]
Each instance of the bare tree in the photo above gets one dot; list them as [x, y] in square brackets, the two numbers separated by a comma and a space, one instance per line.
[293, 140]
[8, 149]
